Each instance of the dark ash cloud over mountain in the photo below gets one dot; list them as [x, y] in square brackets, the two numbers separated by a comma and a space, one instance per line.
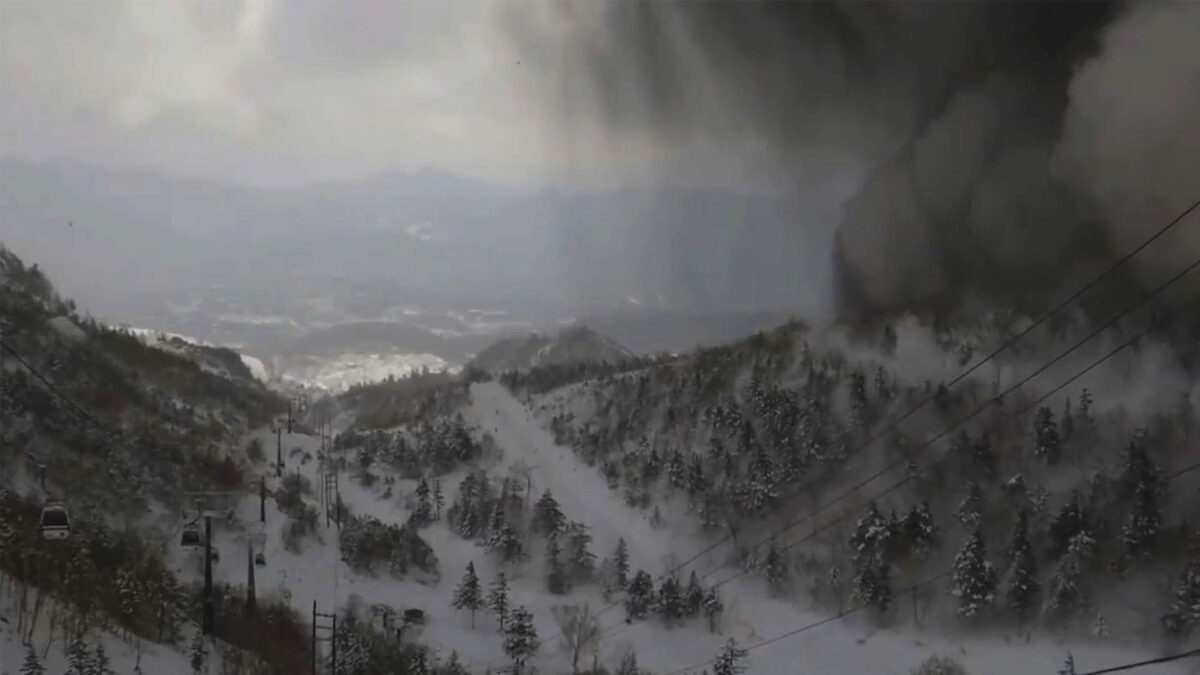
[995, 150]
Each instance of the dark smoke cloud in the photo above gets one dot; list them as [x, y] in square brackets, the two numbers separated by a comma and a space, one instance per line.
[1006, 149]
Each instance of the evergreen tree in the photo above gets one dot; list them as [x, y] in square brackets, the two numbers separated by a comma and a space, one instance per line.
[548, 518]
[872, 545]
[580, 561]
[1047, 443]
[199, 653]
[638, 598]
[498, 599]
[79, 661]
[727, 662]
[1070, 520]
[776, 568]
[424, 511]
[506, 543]
[1022, 586]
[32, 664]
[1140, 532]
[670, 602]
[556, 573]
[621, 564]
[520, 638]
[676, 471]
[1068, 667]
[919, 532]
[713, 608]
[970, 510]
[1185, 606]
[693, 597]
[439, 499]
[100, 663]
[974, 577]
[1065, 590]
[468, 595]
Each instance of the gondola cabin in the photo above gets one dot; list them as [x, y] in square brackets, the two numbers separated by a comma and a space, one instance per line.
[190, 539]
[260, 560]
[55, 522]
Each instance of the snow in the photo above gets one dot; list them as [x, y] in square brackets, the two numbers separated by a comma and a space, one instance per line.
[156, 659]
[339, 373]
[257, 368]
[67, 329]
[751, 615]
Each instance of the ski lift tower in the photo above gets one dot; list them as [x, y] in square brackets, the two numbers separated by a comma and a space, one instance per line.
[209, 504]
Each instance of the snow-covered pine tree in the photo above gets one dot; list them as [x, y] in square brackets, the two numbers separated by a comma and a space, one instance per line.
[693, 597]
[520, 638]
[556, 572]
[1065, 591]
[548, 518]
[1070, 520]
[1068, 423]
[1046, 442]
[79, 660]
[468, 594]
[198, 653]
[439, 499]
[1185, 606]
[507, 544]
[100, 662]
[581, 563]
[919, 533]
[970, 510]
[670, 602]
[639, 596]
[1021, 585]
[776, 568]
[621, 564]
[1140, 532]
[676, 471]
[729, 660]
[32, 664]
[974, 578]
[498, 599]
[1069, 666]
[423, 514]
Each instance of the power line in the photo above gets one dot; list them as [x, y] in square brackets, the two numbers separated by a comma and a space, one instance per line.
[1131, 341]
[1004, 345]
[1142, 664]
[1041, 369]
[931, 580]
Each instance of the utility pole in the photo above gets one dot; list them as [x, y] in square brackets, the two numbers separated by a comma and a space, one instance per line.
[289, 415]
[208, 619]
[262, 499]
[251, 600]
[279, 449]
[314, 638]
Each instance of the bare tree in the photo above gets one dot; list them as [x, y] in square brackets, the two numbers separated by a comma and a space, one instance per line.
[580, 629]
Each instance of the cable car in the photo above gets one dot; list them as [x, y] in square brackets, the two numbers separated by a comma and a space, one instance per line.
[191, 537]
[260, 560]
[216, 555]
[55, 522]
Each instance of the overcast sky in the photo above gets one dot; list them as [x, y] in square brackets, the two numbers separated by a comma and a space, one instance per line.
[274, 92]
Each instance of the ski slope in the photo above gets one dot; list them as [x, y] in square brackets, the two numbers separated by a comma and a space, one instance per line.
[847, 646]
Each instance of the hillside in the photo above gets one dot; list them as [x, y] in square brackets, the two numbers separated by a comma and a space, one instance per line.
[674, 502]
[572, 345]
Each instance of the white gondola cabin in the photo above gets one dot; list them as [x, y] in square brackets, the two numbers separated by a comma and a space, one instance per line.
[55, 521]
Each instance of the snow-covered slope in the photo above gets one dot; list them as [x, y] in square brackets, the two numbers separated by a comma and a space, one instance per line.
[847, 646]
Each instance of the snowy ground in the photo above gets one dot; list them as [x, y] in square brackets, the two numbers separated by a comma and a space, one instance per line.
[751, 615]
[155, 659]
